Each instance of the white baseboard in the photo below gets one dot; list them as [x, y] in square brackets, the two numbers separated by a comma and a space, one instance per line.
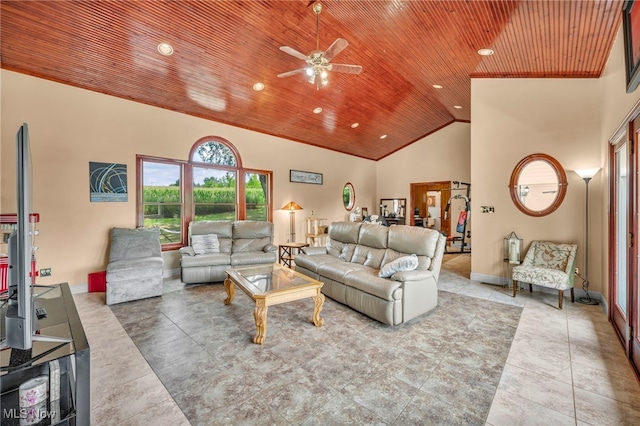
[577, 292]
[79, 288]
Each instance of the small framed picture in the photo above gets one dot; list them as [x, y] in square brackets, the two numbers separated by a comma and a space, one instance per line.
[631, 29]
[305, 177]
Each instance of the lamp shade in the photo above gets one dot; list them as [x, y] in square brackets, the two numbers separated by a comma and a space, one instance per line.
[292, 205]
[588, 173]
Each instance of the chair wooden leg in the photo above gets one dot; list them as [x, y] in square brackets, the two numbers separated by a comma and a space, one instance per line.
[560, 297]
[530, 288]
[571, 294]
[515, 287]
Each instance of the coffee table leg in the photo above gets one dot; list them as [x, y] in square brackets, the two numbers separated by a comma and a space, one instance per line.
[260, 315]
[228, 286]
[319, 301]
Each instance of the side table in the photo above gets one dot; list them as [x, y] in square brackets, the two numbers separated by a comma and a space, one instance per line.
[287, 252]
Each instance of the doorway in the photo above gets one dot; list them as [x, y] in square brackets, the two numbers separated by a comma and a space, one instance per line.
[428, 202]
[624, 220]
[445, 207]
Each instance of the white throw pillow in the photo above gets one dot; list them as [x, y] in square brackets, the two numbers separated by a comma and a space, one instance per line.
[404, 263]
[204, 244]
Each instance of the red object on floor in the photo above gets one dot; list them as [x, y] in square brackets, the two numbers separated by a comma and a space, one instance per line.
[97, 282]
[4, 273]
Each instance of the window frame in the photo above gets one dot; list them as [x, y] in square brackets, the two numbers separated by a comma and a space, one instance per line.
[186, 186]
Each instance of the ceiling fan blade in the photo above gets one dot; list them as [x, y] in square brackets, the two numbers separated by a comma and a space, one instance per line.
[288, 73]
[337, 47]
[349, 69]
[293, 52]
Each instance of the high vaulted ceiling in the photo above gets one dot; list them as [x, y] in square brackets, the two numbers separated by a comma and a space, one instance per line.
[221, 48]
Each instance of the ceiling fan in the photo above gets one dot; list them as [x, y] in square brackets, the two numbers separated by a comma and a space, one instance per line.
[318, 62]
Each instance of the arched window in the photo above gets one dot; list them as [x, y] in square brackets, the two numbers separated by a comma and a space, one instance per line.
[213, 185]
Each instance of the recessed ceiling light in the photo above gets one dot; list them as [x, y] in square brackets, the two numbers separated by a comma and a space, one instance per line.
[354, 125]
[437, 86]
[165, 49]
[457, 107]
[258, 86]
[317, 110]
[383, 136]
[485, 52]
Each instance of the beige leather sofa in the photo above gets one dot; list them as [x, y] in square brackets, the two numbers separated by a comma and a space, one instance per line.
[217, 245]
[355, 255]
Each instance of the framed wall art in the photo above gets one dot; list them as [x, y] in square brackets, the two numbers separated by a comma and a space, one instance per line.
[107, 182]
[631, 28]
[305, 177]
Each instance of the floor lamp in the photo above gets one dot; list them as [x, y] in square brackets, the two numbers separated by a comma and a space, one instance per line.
[292, 207]
[586, 175]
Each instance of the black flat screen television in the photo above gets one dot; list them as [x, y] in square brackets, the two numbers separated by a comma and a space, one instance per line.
[19, 316]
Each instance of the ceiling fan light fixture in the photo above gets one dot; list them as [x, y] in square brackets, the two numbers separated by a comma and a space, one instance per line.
[309, 72]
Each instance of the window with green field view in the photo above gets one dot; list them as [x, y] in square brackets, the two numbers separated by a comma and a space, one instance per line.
[256, 195]
[162, 199]
[214, 194]
[215, 187]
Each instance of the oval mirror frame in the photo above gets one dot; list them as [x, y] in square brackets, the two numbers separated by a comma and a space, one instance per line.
[348, 196]
[561, 179]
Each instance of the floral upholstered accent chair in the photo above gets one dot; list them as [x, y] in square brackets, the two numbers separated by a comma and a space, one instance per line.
[550, 265]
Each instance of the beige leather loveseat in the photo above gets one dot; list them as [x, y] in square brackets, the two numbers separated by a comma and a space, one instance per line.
[407, 257]
[217, 245]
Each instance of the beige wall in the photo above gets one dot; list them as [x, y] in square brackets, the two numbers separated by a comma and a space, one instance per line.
[512, 119]
[569, 119]
[444, 155]
[70, 127]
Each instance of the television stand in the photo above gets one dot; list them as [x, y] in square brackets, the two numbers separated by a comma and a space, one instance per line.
[67, 357]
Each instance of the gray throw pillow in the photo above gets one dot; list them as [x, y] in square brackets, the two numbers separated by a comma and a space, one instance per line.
[404, 263]
[204, 244]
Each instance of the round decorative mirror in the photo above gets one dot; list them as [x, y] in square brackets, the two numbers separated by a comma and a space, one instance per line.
[348, 196]
[538, 185]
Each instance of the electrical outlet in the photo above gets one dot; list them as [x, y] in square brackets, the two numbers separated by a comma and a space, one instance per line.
[45, 272]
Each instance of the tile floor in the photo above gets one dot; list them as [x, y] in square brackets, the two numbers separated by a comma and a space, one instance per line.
[564, 367]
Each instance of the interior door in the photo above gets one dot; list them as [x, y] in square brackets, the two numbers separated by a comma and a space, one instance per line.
[633, 295]
[620, 232]
[624, 299]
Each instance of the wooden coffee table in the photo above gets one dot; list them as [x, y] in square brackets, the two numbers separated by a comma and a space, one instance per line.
[271, 285]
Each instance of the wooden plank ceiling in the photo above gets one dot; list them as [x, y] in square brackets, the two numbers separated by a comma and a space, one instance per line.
[221, 48]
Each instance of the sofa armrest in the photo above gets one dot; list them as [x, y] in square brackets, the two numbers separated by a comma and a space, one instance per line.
[270, 248]
[187, 251]
[415, 275]
[312, 251]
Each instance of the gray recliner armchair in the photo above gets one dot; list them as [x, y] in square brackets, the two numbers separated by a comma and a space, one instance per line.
[135, 265]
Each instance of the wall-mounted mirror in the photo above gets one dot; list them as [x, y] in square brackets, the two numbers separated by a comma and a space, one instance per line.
[538, 185]
[348, 196]
[393, 210]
